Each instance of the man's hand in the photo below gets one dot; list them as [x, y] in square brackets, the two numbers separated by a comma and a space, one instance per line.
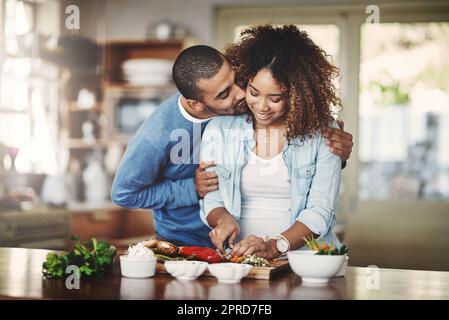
[227, 229]
[339, 141]
[257, 246]
[205, 181]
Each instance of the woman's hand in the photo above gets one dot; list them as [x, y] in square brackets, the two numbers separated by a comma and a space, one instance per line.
[227, 229]
[256, 246]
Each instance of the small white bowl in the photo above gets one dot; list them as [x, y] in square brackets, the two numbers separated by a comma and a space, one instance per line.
[137, 268]
[312, 268]
[229, 272]
[185, 270]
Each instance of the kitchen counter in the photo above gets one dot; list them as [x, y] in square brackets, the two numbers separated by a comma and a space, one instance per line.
[21, 277]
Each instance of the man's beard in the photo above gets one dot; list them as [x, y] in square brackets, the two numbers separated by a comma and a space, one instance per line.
[240, 107]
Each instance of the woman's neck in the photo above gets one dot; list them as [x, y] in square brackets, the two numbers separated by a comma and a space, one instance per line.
[270, 139]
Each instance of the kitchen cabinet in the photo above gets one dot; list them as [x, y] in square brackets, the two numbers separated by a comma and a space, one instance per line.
[38, 228]
[111, 224]
[52, 228]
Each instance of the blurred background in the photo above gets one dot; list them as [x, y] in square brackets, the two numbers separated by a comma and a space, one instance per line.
[78, 78]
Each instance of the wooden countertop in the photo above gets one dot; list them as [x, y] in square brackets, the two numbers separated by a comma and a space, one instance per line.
[21, 277]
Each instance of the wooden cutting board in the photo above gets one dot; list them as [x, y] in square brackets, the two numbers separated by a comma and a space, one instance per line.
[263, 273]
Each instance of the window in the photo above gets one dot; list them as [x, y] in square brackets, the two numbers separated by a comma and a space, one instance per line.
[394, 89]
[404, 111]
[29, 94]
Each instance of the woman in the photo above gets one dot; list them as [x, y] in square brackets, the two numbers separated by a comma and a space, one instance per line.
[278, 180]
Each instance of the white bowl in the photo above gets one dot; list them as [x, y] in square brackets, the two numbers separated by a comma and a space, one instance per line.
[342, 272]
[229, 272]
[315, 268]
[137, 268]
[185, 270]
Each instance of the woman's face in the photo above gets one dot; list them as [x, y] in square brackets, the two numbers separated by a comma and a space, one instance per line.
[265, 99]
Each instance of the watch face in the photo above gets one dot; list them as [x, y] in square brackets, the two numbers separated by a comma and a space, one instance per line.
[282, 245]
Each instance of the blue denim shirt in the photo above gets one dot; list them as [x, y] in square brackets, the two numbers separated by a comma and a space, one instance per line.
[314, 174]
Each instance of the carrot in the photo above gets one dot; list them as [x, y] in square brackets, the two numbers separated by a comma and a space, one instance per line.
[236, 259]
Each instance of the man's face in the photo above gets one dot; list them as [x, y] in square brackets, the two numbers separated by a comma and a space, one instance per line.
[220, 93]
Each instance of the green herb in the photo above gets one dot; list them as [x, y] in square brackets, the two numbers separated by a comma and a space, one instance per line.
[92, 258]
[335, 252]
[325, 249]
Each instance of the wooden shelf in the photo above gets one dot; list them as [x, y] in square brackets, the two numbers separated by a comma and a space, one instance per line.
[127, 86]
[106, 81]
[143, 43]
[117, 52]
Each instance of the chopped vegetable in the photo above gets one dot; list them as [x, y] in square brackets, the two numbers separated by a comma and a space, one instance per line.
[166, 251]
[162, 247]
[256, 261]
[201, 253]
[92, 259]
[236, 259]
[324, 248]
[162, 257]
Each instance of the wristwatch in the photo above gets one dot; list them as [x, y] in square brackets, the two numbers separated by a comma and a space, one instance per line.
[282, 244]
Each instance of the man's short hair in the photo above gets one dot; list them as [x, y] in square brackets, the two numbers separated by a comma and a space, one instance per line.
[193, 64]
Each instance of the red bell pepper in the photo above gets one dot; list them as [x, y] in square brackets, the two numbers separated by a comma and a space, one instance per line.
[201, 253]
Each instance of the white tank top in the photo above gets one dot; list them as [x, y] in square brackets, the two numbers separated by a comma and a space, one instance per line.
[265, 197]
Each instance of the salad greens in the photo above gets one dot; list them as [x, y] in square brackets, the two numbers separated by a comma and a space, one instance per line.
[92, 258]
[325, 249]
[252, 260]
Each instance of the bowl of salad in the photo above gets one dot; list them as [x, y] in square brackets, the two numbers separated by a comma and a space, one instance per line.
[319, 263]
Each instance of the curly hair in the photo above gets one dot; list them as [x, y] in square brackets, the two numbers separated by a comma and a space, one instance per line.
[299, 67]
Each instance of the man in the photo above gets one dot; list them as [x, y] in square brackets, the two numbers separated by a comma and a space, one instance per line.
[159, 170]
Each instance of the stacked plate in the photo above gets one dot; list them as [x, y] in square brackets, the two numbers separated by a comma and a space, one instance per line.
[147, 71]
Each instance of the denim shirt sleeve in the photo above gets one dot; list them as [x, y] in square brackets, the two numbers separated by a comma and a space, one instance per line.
[137, 184]
[319, 212]
[212, 139]
[211, 201]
